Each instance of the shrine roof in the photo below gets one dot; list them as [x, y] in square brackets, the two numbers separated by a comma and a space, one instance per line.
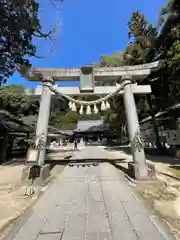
[88, 125]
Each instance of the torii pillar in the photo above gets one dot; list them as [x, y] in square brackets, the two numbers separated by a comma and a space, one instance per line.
[43, 116]
[139, 159]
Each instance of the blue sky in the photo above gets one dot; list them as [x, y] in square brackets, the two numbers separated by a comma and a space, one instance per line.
[88, 29]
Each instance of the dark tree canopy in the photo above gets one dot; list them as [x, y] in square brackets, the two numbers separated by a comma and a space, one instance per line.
[168, 48]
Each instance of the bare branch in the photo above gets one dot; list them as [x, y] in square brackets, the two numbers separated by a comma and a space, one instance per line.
[54, 5]
[43, 35]
[53, 2]
[51, 52]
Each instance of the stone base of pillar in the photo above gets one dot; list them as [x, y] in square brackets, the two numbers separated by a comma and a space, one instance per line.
[36, 174]
[139, 159]
[136, 172]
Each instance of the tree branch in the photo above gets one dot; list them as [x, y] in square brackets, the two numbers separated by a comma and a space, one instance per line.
[42, 35]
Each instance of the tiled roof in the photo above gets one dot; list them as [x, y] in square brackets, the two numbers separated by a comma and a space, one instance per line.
[89, 124]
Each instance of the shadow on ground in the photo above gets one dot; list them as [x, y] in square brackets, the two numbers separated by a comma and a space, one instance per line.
[175, 167]
[152, 154]
[15, 161]
[68, 160]
[61, 150]
[121, 167]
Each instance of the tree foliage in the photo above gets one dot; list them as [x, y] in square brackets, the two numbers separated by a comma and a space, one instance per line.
[141, 39]
[168, 48]
[19, 24]
[147, 44]
[114, 117]
[142, 36]
[67, 119]
[14, 100]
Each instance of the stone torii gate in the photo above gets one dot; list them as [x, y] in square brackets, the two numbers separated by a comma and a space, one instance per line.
[89, 78]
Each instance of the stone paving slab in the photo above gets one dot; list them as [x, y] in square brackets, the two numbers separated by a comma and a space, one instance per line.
[121, 226]
[67, 235]
[89, 153]
[98, 236]
[50, 236]
[89, 203]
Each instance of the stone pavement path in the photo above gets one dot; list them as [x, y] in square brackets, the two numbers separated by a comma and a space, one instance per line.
[89, 203]
[91, 153]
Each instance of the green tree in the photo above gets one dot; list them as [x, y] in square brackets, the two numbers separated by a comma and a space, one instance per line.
[166, 87]
[19, 24]
[68, 120]
[148, 44]
[142, 37]
[14, 100]
[168, 48]
[114, 117]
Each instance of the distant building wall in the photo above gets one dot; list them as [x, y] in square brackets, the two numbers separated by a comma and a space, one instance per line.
[168, 126]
